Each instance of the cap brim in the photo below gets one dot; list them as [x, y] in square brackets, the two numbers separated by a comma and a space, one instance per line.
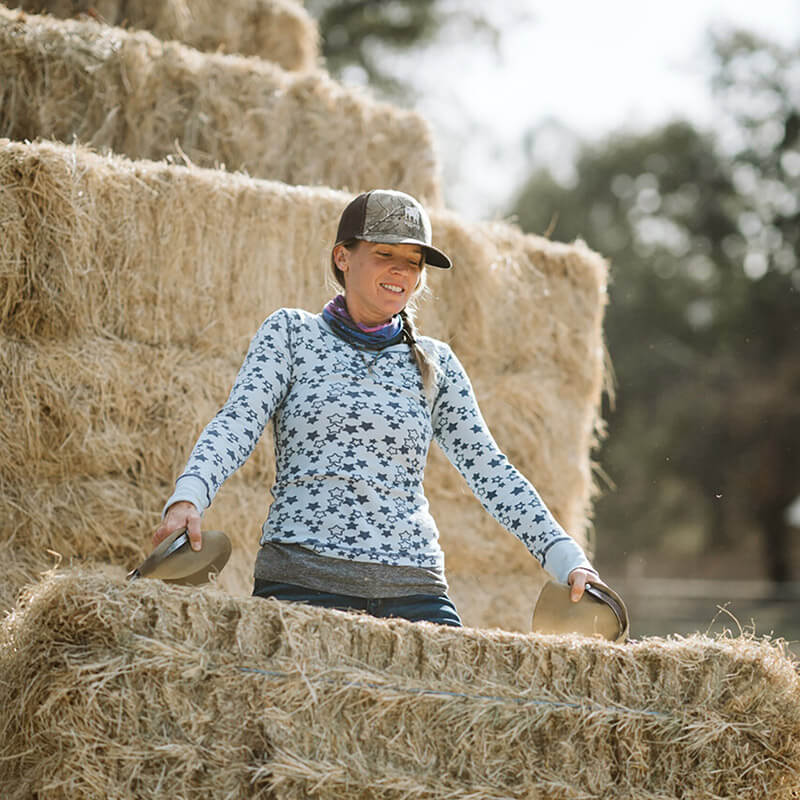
[433, 256]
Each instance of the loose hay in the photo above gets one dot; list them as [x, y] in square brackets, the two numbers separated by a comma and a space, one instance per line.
[276, 30]
[131, 93]
[146, 690]
[21, 566]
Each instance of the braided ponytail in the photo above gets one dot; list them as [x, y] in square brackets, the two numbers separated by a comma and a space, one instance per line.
[425, 364]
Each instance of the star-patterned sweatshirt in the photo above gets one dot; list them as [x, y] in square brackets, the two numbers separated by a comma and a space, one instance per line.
[352, 433]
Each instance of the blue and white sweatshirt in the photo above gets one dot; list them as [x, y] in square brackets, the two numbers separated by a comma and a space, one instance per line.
[352, 433]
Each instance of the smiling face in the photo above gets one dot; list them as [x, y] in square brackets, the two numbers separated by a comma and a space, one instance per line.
[379, 278]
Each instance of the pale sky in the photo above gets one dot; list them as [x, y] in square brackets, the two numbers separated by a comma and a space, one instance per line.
[593, 65]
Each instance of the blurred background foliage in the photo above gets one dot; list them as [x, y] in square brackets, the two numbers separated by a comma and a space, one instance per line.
[358, 36]
[701, 229]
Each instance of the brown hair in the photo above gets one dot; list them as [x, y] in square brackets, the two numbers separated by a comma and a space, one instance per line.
[425, 364]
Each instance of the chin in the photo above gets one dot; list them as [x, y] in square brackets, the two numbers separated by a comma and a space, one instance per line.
[393, 307]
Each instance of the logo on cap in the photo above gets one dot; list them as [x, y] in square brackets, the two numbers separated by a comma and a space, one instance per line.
[411, 216]
[394, 215]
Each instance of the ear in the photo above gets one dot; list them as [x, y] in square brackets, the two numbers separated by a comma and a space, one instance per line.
[340, 257]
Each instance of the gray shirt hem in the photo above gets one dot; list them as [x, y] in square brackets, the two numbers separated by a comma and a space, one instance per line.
[293, 563]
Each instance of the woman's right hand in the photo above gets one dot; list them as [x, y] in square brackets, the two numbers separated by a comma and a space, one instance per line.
[182, 514]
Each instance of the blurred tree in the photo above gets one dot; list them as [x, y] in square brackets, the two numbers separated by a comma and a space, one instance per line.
[356, 34]
[701, 232]
[757, 86]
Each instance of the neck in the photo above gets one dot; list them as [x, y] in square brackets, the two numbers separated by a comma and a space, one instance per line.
[375, 337]
[364, 321]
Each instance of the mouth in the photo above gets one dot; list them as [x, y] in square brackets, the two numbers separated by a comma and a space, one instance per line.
[392, 287]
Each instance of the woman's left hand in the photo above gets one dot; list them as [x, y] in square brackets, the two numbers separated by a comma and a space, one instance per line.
[578, 579]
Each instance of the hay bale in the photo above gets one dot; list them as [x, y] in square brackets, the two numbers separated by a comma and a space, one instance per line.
[94, 408]
[131, 93]
[276, 30]
[91, 421]
[110, 521]
[113, 270]
[151, 252]
[95, 433]
[145, 690]
[97, 407]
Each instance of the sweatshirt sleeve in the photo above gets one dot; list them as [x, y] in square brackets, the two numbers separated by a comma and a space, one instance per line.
[504, 492]
[230, 437]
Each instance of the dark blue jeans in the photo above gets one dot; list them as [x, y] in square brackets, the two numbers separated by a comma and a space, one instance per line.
[416, 607]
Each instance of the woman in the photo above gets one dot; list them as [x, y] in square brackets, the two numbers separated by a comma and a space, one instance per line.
[356, 397]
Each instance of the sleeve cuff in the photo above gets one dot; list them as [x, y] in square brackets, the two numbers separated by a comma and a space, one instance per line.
[564, 557]
[191, 489]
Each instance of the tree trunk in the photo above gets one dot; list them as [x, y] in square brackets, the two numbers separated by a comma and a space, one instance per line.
[775, 536]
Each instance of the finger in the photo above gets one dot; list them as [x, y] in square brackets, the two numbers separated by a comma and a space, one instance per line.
[578, 586]
[175, 520]
[161, 533]
[195, 536]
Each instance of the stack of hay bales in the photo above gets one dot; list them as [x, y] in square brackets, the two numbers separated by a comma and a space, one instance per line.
[128, 292]
[130, 289]
[125, 309]
[131, 93]
[144, 691]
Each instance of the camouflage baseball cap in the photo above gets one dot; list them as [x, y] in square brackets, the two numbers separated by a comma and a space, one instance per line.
[385, 215]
